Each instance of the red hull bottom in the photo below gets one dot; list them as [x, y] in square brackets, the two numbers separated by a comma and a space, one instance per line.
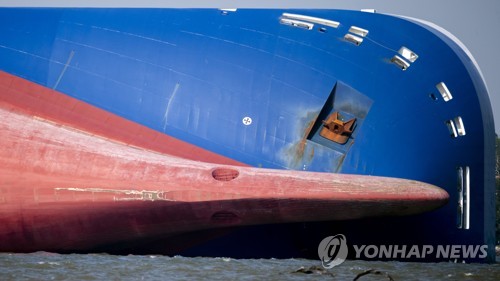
[77, 178]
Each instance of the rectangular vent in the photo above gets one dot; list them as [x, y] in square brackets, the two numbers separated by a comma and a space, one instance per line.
[459, 124]
[353, 39]
[456, 127]
[297, 23]
[408, 54]
[463, 202]
[358, 31]
[310, 19]
[443, 90]
[460, 201]
[404, 58]
[401, 63]
[452, 128]
[466, 198]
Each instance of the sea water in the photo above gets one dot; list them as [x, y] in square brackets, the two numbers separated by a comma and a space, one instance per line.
[50, 266]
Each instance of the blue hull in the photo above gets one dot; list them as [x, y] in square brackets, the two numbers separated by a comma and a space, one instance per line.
[254, 86]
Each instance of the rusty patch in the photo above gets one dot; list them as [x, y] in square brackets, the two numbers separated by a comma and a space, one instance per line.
[311, 155]
[297, 150]
[302, 144]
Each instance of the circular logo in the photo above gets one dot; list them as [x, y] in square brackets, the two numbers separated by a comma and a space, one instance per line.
[246, 121]
[333, 250]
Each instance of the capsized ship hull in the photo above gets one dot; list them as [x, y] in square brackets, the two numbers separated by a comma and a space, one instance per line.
[66, 189]
[321, 91]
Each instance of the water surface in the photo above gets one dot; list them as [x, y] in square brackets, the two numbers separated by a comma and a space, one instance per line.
[49, 266]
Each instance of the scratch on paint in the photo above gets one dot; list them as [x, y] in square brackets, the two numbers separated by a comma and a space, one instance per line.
[68, 61]
[139, 195]
[134, 35]
[225, 41]
[169, 104]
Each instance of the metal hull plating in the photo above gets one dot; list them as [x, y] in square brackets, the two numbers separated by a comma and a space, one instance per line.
[252, 86]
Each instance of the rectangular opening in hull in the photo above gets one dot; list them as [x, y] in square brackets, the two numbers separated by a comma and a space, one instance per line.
[463, 202]
[408, 54]
[459, 123]
[297, 23]
[358, 31]
[353, 39]
[345, 106]
[310, 19]
[401, 63]
[443, 90]
[452, 128]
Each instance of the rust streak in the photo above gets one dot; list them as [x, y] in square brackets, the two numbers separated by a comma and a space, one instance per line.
[300, 147]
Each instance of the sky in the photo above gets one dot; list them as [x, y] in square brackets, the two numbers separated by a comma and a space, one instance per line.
[475, 23]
